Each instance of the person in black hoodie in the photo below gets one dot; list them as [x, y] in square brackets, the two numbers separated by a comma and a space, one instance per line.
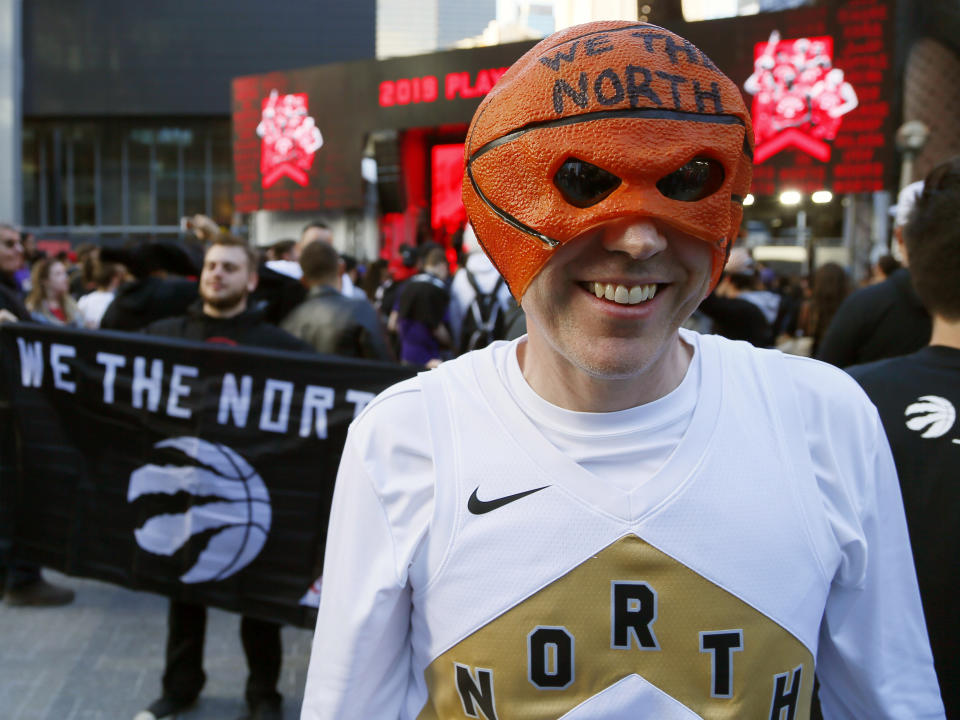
[222, 316]
[884, 320]
[20, 583]
[152, 294]
[917, 396]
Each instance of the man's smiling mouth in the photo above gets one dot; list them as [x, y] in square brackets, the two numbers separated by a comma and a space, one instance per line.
[622, 294]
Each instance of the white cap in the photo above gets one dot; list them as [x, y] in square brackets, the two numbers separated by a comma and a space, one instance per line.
[905, 202]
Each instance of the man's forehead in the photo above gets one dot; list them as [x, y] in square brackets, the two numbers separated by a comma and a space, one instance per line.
[225, 253]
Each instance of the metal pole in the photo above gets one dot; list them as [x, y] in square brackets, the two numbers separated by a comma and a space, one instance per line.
[11, 111]
[906, 168]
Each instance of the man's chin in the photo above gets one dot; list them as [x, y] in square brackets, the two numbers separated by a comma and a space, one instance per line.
[223, 304]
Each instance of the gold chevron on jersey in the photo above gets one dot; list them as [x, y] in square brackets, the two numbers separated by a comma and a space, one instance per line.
[627, 628]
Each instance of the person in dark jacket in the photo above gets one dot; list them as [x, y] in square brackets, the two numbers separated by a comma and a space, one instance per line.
[330, 321]
[222, 316]
[152, 294]
[423, 312]
[20, 583]
[883, 320]
[917, 396]
[276, 294]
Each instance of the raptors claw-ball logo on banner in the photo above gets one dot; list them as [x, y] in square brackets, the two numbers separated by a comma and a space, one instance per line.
[229, 498]
[799, 98]
[290, 138]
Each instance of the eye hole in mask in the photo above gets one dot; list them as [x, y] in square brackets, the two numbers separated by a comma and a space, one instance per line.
[699, 178]
[583, 184]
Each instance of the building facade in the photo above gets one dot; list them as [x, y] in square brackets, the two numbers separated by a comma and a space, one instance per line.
[124, 108]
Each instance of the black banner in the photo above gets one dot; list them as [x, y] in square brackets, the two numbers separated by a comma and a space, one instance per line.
[192, 470]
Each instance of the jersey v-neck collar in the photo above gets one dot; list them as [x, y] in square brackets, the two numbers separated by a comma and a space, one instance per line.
[595, 491]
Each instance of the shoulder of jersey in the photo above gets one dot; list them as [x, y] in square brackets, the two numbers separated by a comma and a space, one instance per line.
[826, 385]
[400, 399]
[391, 404]
[817, 384]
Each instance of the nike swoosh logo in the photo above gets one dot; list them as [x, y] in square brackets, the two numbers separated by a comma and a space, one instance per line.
[478, 507]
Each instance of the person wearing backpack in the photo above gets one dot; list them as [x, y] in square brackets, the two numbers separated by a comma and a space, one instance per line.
[479, 300]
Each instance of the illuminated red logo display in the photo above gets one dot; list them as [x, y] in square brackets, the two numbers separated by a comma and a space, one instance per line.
[799, 98]
[290, 138]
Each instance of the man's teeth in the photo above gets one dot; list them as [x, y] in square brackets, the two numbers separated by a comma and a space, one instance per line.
[624, 295]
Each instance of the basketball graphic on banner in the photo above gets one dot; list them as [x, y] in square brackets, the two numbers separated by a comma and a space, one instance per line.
[231, 499]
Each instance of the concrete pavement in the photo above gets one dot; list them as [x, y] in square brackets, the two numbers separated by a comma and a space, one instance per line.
[101, 658]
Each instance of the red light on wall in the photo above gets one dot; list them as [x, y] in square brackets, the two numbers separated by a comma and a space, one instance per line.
[408, 90]
[459, 84]
[426, 89]
[447, 170]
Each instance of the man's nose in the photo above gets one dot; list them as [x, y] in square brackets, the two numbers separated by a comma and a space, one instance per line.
[637, 237]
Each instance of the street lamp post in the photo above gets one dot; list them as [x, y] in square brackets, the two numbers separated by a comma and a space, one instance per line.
[911, 137]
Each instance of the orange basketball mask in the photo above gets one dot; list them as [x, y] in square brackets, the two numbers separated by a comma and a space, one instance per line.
[604, 121]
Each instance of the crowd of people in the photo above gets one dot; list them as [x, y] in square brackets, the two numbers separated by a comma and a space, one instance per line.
[299, 296]
[435, 312]
[683, 482]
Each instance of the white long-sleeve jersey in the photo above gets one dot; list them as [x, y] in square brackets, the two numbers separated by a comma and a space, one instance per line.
[475, 571]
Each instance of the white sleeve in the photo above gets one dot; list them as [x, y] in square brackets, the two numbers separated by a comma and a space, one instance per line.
[360, 661]
[874, 659]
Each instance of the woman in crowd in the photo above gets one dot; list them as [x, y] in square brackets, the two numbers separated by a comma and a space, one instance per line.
[49, 300]
[829, 287]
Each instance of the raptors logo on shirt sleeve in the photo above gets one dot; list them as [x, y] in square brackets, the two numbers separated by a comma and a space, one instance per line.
[628, 632]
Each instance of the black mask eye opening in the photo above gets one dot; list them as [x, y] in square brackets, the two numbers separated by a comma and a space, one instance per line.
[699, 178]
[583, 184]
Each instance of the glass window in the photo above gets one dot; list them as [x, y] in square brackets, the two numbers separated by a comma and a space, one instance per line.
[82, 152]
[171, 142]
[117, 172]
[111, 175]
[31, 177]
[57, 196]
[139, 155]
[195, 172]
[222, 167]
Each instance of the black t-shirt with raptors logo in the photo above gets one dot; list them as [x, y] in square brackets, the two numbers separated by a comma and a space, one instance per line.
[918, 397]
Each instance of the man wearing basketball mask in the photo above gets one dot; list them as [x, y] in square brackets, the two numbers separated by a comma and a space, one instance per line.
[612, 517]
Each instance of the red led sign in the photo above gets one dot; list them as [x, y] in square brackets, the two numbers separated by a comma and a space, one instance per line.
[823, 96]
[290, 138]
[799, 98]
[463, 84]
[408, 90]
